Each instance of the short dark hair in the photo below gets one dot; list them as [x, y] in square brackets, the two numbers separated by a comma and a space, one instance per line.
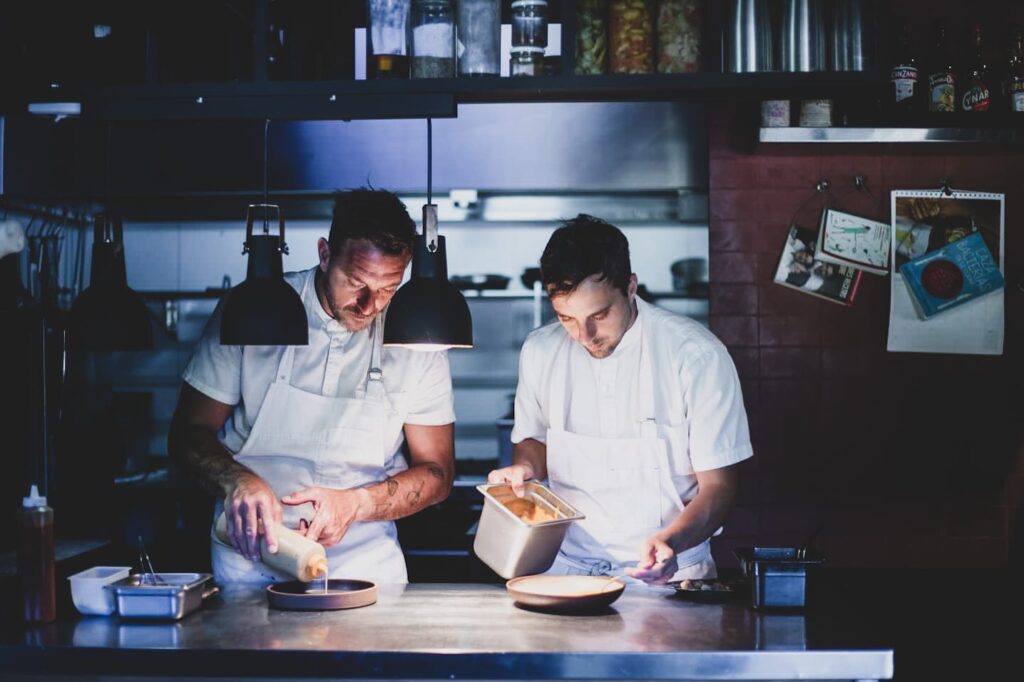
[583, 247]
[375, 215]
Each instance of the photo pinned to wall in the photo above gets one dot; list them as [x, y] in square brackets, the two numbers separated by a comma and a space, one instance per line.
[800, 269]
[925, 226]
[847, 239]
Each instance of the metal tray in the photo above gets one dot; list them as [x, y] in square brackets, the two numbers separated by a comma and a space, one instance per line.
[179, 595]
[714, 590]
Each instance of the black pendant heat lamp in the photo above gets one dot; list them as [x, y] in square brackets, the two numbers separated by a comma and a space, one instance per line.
[264, 310]
[428, 313]
[109, 315]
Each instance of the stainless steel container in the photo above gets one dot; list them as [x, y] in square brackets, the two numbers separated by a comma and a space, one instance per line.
[748, 37]
[852, 42]
[179, 595]
[803, 36]
[511, 546]
[777, 575]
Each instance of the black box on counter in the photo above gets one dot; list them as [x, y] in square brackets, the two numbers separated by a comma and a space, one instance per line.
[777, 575]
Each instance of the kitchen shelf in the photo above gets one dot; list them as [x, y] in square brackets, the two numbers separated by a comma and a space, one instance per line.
[891, 135]
[439, 98]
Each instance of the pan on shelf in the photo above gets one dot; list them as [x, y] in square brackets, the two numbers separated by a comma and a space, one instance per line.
[479, 282]
[565, 593]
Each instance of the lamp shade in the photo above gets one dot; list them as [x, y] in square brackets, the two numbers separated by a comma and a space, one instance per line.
[428, 312]
[109, 315]
[264, 310]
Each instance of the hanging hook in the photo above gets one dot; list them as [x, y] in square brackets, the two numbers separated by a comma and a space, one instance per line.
[823, 185]
[860, 182]
[944, 186]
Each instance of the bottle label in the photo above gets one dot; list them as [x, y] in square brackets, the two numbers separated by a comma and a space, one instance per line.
[1015, 89]
[903, 78]
[942, 92]
[976, 98]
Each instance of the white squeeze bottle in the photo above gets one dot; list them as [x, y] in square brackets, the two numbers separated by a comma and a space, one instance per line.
[296, 554]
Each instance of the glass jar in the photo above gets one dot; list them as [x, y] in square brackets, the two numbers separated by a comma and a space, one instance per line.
[478, 36]
[591, 37]
[631, 36]
[433, 39]
[529, 23]
[526, 61]
[679, 29]
[386, 44]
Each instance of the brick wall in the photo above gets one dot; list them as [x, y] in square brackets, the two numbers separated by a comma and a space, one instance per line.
[899, 459]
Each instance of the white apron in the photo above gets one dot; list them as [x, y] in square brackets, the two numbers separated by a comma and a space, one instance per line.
[302, 439]
[623, 485]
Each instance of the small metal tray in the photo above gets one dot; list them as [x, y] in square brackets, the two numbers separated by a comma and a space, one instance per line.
[174, 596]
[710, 590]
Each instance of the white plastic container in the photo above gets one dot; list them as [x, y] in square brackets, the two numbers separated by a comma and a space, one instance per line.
[87, 589]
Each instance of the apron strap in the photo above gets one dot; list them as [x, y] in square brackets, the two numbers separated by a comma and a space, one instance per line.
[375, 376]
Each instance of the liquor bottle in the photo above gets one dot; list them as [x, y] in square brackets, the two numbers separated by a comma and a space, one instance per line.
[1013, 88]
[941, 78]
[976, 95]
[904, 97]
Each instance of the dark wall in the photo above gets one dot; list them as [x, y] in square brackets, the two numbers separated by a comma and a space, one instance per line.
[900, 459]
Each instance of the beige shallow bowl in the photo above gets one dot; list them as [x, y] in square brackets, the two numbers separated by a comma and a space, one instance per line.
[565, 592]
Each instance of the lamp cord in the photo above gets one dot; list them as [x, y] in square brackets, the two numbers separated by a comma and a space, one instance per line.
[266, 175]
[430, 160]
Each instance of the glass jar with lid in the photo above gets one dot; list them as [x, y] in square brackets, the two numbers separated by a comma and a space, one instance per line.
[526, 61]
[386, 44]
[591, 37]
[679, 28]
[433, 39]
[529, 23]
[478, 37]
[631, 37]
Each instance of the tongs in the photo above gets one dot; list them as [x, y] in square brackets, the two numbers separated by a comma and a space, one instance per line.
[148, 575]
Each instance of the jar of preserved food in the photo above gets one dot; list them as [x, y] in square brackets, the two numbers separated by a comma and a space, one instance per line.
[479, 37]
[631, 36]
[433, 39]
[591, 37]
[530, 23]
[388, 53]
[526, 61]
[679, 27]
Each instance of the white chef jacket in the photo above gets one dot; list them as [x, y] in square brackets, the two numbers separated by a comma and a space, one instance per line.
[695, 381]
[334, 363]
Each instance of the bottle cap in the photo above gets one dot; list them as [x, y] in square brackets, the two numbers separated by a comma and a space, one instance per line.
[34, 499]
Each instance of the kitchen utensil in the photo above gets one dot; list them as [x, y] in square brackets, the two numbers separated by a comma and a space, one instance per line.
[478, 282]
[511, 546]
[340, 594]
[803, 36]
[749, 37]
[147, 575]
[851, 36]
[568, 593]
[778, 575]
[529, 277]
[87, 589]
[179, 595]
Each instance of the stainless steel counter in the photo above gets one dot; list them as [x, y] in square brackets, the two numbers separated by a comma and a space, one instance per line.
[459, 631]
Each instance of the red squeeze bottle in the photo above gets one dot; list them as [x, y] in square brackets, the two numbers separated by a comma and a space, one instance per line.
[35, 558]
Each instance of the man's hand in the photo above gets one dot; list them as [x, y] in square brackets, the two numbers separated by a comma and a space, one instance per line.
[657, 562]
[517, 475]
[252, 509]
[335, 511]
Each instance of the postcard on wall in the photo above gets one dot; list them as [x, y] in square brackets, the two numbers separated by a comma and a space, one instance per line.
[800, 269]
[846, 239]
[925, 223]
